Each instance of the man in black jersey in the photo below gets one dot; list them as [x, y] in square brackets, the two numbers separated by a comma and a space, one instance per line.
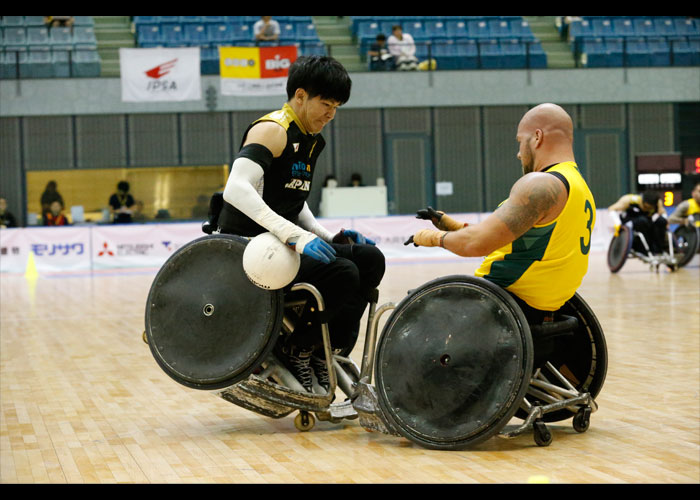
[267, 189]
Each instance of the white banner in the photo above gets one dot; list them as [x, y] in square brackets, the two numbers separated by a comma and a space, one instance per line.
[160, 74]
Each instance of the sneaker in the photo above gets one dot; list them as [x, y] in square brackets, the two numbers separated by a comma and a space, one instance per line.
[299, 364]
[321, 371]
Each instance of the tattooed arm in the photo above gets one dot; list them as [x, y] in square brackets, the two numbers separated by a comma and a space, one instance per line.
[536, 198]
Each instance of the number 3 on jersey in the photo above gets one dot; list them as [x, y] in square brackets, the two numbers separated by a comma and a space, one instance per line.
[585, 247]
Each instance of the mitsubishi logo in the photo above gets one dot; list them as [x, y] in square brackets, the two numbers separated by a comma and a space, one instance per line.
[161, 69]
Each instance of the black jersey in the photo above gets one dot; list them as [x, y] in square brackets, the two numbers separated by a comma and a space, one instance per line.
[286, 181]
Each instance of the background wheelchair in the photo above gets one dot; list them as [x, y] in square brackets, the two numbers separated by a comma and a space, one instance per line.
[682, 245]
[455, 361]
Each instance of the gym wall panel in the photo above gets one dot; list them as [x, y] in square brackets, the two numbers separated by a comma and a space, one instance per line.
[100, 141]
[153, 140]
[458, 158]
[502, 167]
[205, 138]
[604, 158]
[48, 142]
[11, 173]
[356, 145]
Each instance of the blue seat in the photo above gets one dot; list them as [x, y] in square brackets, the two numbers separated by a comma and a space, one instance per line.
[499, 28]
[614, 51]
[189, 19]
[478, 29]
[219, 34]
[196, 34]
[149, 35]
[637, 52]
[12, 21]
[445, 54]
[457, 29]
[173, 35]
[644, 27]
[86, 63]
[659, 51]
[84, 37]
[213, 19]
[623, 27]
[8, 64]
[694, 43]
[288, 32]
[61, 38]
[60, 60]
[602, 27]
[241, 32]
[37, 64]
[580, 28]
[37, 37]
[490, 53]
[520, 29]
[467, 53]
[168, 19]
[15, 38]
[307, 32]
[34, 21]
[593, 53]
[513, 54]
[536, 56]
[665, 26]
[417, 30]
[142, 20]
[681, 51]
[436, 30]
[311, 47]
[687, 26]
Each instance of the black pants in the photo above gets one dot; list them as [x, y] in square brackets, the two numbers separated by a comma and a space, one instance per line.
[346, 285]
[654, 233]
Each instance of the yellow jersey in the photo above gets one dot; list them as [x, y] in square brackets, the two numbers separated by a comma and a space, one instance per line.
[546, 265]
[693, 207]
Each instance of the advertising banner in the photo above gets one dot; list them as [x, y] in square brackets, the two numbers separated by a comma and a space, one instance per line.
[255, 71]
[160, 74]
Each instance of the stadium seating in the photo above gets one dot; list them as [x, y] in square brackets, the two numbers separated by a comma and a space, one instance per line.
[645, 41]
[211, 32]
[30, 49]
[465, 42]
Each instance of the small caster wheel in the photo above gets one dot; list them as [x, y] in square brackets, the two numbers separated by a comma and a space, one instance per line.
[144, 337]
[304, 421]
[542, 435]
[582, 419]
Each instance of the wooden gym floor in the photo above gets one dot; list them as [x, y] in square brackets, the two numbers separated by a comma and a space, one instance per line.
[83, 400]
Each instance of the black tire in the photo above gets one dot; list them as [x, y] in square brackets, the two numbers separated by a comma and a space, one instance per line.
[687, 239]
[619, 249]
[453, 363]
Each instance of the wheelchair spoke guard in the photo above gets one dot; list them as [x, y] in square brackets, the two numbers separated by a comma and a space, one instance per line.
[208, 326]
[453, 362]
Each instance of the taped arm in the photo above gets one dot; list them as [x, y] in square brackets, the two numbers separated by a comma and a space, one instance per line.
[309, 222]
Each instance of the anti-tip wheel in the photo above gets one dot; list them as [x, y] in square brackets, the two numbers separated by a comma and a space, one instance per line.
[582, 419]
[304, 421]
[543, 437]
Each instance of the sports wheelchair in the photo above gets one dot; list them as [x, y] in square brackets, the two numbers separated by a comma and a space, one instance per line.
[455, 361]
[682, 245]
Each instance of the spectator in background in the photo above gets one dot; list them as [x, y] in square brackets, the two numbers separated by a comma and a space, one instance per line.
[55, 217]
[379, 57]
[403, 48]
[56, 21]
[121, 204]
[6, 218]
[356, 180]
[266, 29]
[330, 181]
[50, 195]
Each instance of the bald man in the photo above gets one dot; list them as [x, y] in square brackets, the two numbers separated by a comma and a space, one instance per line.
[537, 241]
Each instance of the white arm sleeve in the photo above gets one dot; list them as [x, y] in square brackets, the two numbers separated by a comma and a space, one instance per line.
[242, 191]
[309, 222]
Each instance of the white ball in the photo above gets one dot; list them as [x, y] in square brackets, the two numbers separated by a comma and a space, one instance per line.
[269, 263]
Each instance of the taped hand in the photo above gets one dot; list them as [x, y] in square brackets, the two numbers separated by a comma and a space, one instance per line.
[313, 246]
[427, 238]
[440, 220]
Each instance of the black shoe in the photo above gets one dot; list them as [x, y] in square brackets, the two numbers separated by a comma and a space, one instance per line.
[299, 364]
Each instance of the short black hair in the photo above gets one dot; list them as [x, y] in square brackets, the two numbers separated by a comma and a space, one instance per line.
[651, 197]
[123, 186]
[319, 76]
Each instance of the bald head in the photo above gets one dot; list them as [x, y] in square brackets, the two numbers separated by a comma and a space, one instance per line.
[546, 135]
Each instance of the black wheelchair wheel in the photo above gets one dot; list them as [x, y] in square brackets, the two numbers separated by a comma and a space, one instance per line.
[453, 362]
[619, 249]
[687, 239]
[207, 325]
[582, 358]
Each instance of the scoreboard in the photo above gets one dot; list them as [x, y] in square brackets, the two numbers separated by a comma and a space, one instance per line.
[662, 172]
